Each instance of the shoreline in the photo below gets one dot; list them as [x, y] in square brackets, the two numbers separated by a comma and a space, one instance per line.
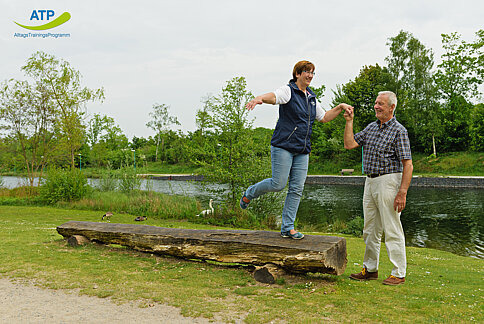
[471, 182]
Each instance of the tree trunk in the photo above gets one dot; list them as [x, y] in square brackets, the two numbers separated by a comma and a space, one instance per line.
[157, 145]
[315, 253]
[433, 145]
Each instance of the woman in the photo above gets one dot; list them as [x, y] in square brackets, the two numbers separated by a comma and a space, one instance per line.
[290, 144]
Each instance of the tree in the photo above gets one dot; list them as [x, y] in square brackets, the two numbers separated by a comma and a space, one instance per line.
[237, 159]
[107, 142]
[410, 63]
[28, 116]
[458, 79]
[327, 139]
[477, 128]
[462, 69]
[61, 86]
[161, 120]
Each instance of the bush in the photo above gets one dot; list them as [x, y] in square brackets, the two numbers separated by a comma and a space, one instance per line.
[128, 180]
[354, 227]
[64, 185]
[108, 181]
[268, 208]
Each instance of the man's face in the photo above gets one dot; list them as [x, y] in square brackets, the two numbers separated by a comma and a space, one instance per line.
[383, 110]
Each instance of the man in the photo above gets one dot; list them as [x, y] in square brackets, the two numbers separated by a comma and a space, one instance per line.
[387, 162]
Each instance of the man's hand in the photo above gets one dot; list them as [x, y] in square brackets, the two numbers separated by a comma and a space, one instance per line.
[400, 201]
[349, 113]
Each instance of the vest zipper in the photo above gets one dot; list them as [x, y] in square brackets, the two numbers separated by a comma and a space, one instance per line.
[295, 128]
[309, 122]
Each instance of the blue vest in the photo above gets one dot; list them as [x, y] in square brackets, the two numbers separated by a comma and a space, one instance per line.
[295, 123]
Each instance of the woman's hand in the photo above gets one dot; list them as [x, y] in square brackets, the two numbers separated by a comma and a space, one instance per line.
[254, 102]
[347, 108]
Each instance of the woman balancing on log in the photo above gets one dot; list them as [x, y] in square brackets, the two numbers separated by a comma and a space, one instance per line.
[291, 141]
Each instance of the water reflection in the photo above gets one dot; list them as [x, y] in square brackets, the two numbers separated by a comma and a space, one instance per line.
[445, 219]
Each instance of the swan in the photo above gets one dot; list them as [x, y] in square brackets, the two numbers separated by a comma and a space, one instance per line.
[207, 211]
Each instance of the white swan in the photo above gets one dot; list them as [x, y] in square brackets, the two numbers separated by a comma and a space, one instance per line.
[207, 211]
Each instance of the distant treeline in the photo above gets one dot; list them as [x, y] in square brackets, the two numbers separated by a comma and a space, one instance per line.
[44, 121]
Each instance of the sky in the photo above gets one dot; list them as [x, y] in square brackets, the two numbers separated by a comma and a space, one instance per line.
[179, 52]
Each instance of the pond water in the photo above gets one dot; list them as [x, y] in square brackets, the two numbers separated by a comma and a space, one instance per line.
[445, 219]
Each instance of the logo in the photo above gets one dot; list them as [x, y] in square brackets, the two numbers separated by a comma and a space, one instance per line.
[46, 15]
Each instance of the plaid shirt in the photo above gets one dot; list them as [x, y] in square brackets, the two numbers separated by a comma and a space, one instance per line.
[384, 148]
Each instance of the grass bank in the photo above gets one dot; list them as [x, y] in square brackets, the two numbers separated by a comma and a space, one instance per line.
[447, 164]
[440, 287]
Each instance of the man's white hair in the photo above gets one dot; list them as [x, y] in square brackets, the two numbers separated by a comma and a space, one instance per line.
[392, 97]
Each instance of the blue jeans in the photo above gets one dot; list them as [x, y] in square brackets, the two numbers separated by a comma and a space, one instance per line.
[284, 165]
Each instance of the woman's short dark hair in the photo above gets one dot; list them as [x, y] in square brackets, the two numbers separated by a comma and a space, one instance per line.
[300, 67]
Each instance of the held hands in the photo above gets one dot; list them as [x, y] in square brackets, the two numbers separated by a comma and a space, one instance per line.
[254, 102]
[349, 113]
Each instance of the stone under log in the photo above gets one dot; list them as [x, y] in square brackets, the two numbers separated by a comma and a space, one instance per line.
[314, 253]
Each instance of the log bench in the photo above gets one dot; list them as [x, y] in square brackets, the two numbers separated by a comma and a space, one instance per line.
[314, 253]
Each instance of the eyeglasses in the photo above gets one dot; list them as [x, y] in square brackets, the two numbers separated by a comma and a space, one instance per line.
[309, 72]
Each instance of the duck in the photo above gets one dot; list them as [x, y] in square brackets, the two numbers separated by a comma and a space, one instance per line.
[141, 218]
[107, 216]
[207, 211]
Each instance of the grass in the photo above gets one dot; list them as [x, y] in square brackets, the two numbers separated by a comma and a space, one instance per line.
[458, 164]
[446, 164]
[441, 287]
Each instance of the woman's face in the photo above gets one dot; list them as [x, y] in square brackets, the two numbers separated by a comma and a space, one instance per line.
[305, 77]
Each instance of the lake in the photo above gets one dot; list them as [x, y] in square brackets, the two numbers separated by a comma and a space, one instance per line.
[446, 219]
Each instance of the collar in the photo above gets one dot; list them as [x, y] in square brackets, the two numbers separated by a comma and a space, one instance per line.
[293, 85]
[389, 123]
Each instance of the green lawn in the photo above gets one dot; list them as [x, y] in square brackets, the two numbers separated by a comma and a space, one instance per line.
[440, 288]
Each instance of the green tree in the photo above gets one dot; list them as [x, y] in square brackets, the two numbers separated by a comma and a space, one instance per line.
[327, 139]
[410, 63]
[458, 79]
[462, 69]
[235, 156]
[61, 85]
[160, 123]
[476, 131]
[28, 116]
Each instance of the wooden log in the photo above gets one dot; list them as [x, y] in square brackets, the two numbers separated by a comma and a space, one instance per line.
[314, 253]
[77, 240]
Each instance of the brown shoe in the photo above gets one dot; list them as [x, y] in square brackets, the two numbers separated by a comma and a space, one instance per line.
[364, 275]
[393, 281]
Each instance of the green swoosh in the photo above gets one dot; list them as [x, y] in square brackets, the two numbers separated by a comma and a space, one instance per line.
[54, 23]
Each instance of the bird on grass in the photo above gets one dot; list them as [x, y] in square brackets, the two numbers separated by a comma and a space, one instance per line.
[207, 211]
[141, 218]
[107, 216]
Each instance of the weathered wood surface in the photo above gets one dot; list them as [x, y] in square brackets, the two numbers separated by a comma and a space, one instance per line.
[314, 253]
[77, 240]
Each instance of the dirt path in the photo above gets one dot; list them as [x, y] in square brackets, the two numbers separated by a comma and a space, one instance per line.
[22, 303]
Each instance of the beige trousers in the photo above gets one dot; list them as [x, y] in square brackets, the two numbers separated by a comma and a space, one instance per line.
[380, 217]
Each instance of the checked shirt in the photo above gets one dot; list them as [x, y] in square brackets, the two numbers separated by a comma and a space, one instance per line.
[384, 147]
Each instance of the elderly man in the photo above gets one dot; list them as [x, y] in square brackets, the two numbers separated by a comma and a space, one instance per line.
[387, 162]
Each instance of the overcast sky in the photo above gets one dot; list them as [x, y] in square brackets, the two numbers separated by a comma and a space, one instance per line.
[178, 52]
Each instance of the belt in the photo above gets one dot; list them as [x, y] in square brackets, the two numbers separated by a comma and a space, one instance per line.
[375, 175]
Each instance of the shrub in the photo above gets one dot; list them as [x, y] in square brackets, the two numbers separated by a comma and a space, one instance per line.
[108, 181]
[354, 227]
[64, 185]
[128, 180]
